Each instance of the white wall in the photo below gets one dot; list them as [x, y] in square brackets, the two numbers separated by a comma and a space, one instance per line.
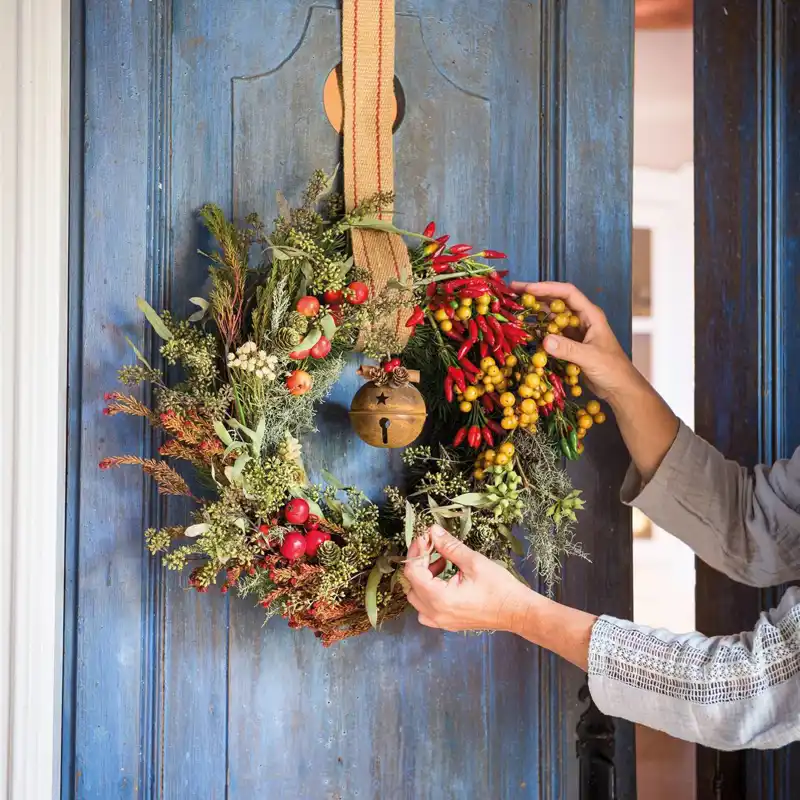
[663, 105]
[663, 194]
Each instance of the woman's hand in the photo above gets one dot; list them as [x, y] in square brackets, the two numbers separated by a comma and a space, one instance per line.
[608, 371]
[484, 596]
[646, 422]
[481, 596]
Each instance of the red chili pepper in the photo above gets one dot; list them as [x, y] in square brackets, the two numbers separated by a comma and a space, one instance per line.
[431, 289]
[487, 436]
[464, 349]
[448, 388]
[546, 410]
[495, 306]
[468, 366]
[559, 401]
[512, 305]
[555, 382]
[474, 436]
[473, 291]
[458, 376]
[454, 336]
[451, 285]
[483, 349]
[492, 254]
[430, 229]
[487, 402]
[417, 318]
[514, 335]
[442, 260]
[459, 437]
[458, 327]
[496, 427]
[440, 269]
[487, 332]
[472, 327]
[460, 249]
[501, 273]
[450, 311]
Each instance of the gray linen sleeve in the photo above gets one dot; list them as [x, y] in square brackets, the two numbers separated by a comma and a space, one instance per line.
[743, 523]
[730, 692]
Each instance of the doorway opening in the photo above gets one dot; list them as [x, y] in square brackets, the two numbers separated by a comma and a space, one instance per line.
[663, 331]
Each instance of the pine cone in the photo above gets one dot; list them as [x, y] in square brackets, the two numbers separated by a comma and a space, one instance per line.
[286, 339]
[329, 554]
[399, 377]
[298, 322]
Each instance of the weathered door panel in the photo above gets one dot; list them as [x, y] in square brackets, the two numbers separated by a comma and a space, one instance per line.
[515, 134]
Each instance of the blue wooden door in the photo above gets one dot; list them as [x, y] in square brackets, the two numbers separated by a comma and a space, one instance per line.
[515, 133]
[747, 295]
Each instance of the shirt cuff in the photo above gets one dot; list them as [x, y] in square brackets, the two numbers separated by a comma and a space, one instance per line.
[643, 496]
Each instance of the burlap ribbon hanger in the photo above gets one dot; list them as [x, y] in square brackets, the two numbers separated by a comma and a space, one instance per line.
[368, 40]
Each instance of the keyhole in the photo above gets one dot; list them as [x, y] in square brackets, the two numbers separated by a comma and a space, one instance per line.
[385, 423]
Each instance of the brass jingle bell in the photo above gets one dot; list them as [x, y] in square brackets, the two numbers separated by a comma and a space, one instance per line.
[388, 411]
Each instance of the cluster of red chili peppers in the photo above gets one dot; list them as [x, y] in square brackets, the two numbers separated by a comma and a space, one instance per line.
[491, 369]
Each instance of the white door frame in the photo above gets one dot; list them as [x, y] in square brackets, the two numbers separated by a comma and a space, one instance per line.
[34, 156]
[663, 203]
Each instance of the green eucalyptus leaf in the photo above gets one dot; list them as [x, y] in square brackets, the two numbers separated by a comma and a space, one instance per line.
[345, 268]
[409, 524]
[258, 438]
[202, 304]
[475, 499]
[371, 595]
[152, 317]
[138, 354]
[331, 480]
[466, 524]
[223, 433]
[278, 254]
[311, 338]
[328, 327]
[234, 423]
[238, 466]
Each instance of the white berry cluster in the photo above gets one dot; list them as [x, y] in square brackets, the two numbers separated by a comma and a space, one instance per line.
[249, 358]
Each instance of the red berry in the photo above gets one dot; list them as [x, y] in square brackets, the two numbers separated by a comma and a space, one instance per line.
[321, 348]
[314, 538]
[333, 296]
[296, 511]
[264, 529]
[357, 293]
[299, 382]
[294, 546]
[308, 306]
[299, 355]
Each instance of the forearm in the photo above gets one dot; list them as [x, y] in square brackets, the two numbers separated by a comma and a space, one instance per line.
[728, 692]
[563, 630]
[647, 424]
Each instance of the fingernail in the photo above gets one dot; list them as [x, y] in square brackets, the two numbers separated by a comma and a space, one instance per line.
[551, 343]
[437, 531]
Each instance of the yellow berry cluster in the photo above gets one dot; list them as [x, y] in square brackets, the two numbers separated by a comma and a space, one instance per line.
[588, 416]
[499, 456]
[467, 307]
[559, 317]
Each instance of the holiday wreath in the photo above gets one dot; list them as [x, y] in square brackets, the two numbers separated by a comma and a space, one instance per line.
[265, 348]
